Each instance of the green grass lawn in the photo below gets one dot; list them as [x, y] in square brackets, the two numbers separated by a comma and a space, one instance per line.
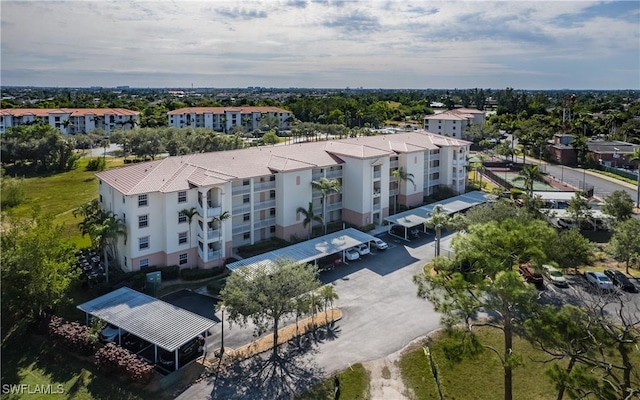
[28, 358]
[354, 385]
[59, 194]
[481, 377]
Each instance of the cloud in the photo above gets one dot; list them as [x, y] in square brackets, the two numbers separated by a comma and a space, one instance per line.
[356, 21]
[297, 3]
[242, 13]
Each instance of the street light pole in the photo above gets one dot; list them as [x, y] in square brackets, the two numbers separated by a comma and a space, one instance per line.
[222, 337]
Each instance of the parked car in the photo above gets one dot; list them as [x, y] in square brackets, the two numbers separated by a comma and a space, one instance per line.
[565, 223]
[554, 275]
[352, 254]
[598, 280]
[363, 249]
[379, 244]
[530, 274]
[329, 262]
[185, 353]
[133, 343]
[620, 280]
[110, 333]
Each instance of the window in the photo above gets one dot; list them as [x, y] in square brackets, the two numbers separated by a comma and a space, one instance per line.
[246, 217]
[184, 258]
[245, 182]
[272, 212]
[144, 263]
[100, 198]
[272, 229]
[272, 178]
[182, 237]
[246, 236]
[125, 261]
[122, 199]
[143, 221]
[182, 197]
[142, 200]
[298, 180]
[124, 218]
[182, 218]
[100, 182]
[143, 242]
[246, 198]
[272, 194]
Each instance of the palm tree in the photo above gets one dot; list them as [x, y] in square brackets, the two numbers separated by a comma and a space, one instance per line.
[220, 219]
[106, 234]
[328, 295]
[189, 213]
[326, 186]
[314, 306]
[309, 217]
[104, 144]
[402, 176]
[635, 156]
[437, 220]
[528, 175]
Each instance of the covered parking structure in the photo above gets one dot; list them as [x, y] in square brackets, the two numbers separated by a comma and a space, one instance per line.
[419, 216]
[155, 321]
[554, 199]
[308, 251]
[596, 218]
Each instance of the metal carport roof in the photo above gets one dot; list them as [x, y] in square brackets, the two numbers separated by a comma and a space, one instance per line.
[153, 320]
[307, 251]
[420, 215]
[558, 196]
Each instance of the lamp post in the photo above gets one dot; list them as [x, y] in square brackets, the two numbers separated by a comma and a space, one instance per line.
[222, 307]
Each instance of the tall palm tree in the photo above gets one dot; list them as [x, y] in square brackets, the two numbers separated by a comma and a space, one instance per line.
[309, 217]
[326, 186]
[104, 144]
[328, 295]
[189, 213]
[528, 175]
[402, 176]
[220, 219]
[635, 156]
[438, 220]
[106, 234]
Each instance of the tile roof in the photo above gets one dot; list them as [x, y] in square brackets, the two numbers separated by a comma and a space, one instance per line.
[74, 112]
[222, 110]
[183, 172]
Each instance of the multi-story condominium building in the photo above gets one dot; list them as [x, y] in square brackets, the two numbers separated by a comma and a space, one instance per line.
[262, 188]
[452, 123]
[223, 118]
[71, 120]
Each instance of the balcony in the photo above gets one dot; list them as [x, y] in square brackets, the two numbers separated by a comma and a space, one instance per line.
[334, 174]
[316, 176]
[261, 205]
[265, 223]
[246, 227]
[393, 192]
[242, 208]
[316, 194]
[393, 164]
[211, 254]
[376, 206]
[238, 190]
[214, 212]
[433, 157]
[376, 193]
[260, 187]
[459, 162]
[334, 206]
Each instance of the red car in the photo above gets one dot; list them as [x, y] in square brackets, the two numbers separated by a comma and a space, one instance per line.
[530, 274]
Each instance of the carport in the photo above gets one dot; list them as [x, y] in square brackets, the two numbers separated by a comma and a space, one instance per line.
[419, 216]
[159, 323]
[308, 251]
[593, 215]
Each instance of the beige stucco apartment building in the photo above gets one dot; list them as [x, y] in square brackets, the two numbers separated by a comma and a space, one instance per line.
[263, 187]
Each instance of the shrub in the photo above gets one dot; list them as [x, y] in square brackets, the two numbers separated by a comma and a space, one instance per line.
[196, 274]
[115, 359]
[75, 337]
[96, 164]
[367, 228]
[216, 286]
[12, 192]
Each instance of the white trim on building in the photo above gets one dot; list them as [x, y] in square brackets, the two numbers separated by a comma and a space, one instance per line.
[71, 120]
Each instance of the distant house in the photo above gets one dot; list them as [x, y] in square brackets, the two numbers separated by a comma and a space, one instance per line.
[71, 120]
[612, 153]
[223, 118]
[452, 123]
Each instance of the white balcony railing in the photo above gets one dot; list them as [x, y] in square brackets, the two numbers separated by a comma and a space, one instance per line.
[334, 174]
[241, 228]
[214, 211]
[213, 234]
[242, 208]
[264, 204]
[393, 164]
[377, 174]
[265, 223]
[334, 206]
[259, 187]
[376, 207]
[317, 176]
[210, 254]
[238, 190]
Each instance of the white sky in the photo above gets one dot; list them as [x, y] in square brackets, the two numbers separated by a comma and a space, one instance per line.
[324, 43]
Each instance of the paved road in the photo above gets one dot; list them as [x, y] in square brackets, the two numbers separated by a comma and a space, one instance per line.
[381, 312]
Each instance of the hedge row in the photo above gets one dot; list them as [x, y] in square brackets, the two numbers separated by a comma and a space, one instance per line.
[115, 359]
[196, 274]
[72, 335]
